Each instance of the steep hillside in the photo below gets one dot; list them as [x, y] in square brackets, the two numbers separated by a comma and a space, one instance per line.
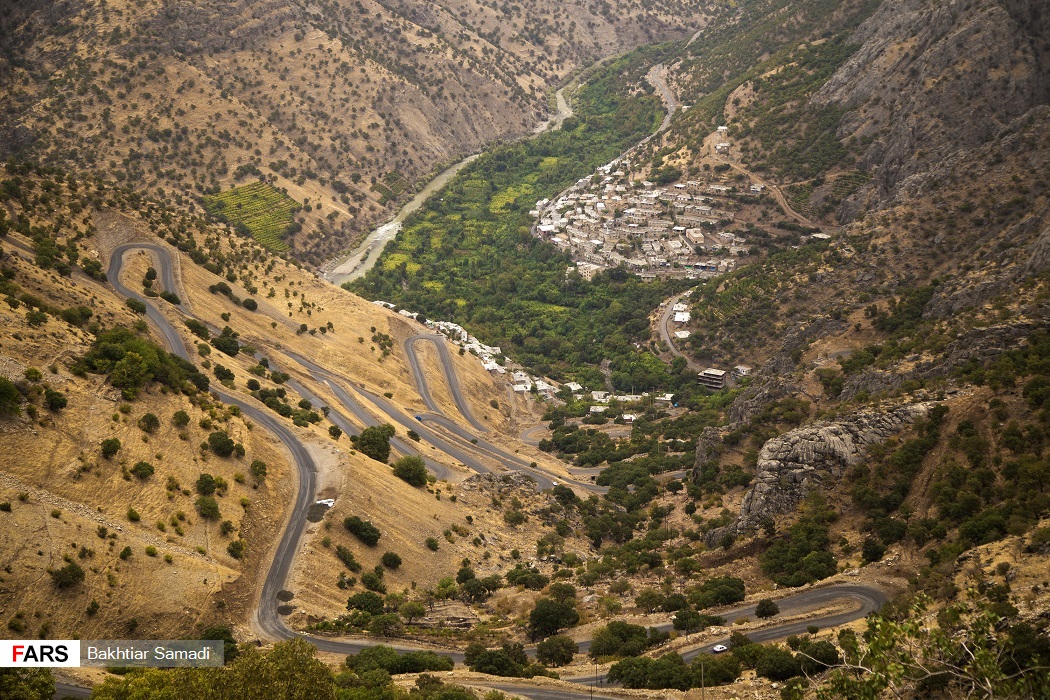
[124, 470]
[343, 105]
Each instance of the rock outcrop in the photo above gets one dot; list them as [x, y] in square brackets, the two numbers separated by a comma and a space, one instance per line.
[815, 456]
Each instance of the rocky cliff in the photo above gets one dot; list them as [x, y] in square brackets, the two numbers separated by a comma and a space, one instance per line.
[923, 65]
[814, 456]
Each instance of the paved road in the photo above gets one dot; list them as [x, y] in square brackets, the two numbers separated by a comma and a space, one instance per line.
[451, 378]
[665, 335]
[266, 616]
[657, 78]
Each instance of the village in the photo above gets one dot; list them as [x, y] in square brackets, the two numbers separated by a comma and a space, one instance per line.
[607, 220]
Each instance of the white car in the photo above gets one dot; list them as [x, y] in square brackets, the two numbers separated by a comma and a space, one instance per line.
[719, 648]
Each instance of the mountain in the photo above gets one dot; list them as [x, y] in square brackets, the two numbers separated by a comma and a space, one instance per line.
[343, 105]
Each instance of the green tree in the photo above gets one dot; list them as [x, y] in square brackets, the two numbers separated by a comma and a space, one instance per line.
[110, 447]
[26, 684]
[374, 441]
[142, 470]
[68, 576]
[391, 560]
[221, 444]
[649, 600]
[557, 650]
[148, 423]
[550, 615]
[766, 608]
[366, 601]
[362, 530]
[412, 610]
[967, 649]
[208, 508]
[412, 470]
[10, 398]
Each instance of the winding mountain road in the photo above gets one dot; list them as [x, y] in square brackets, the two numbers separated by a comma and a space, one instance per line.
[266, 616]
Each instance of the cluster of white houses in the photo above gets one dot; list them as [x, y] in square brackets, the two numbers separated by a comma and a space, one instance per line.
[607, 220]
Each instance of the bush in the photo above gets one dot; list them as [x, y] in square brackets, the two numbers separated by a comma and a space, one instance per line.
[181, 419]
[363, 530]
[55, 400]
[235, 549]
[136, 306]
[347, 557]
[334, 431]
[148, 423]
[133, 515]
[766, 608]
[250, 304]
[142, 470]
[872, 550]
[68, 576]
[10, 398]
[412, 470]
[221, 444]
[391, 560]
[367, 601]
[258, 469]
[207, 507]
[110, 447]
[432, 544]
[205, 484]
[374, 441]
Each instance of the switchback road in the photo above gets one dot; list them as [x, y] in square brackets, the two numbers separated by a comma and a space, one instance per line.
[269, 621]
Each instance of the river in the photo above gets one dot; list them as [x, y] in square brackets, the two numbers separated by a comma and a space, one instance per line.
[359, 261]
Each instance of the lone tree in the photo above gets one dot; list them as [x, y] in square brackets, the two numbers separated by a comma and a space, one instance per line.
[412, 470]
[412, 610]
[557, 650]
[767, 608]
[375, 441]
[549, 616]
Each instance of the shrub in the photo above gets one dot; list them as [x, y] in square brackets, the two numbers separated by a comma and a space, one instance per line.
[181, 419]
[432, 544]
[335, 432]
[347, 557]
[412, 470]
[374, 441]
[250, 304]
[110, 447]
[133, 515]
[148, 423]
[151, 551]
[235, 549]
[221, 444]
[258, 469]
[391, 560]
[136, 306]
[68, 576]
[766, 608]
[207, 507]
[10, 398]
[55, 400]
[142, 470]
[362, 529]
[205, 484]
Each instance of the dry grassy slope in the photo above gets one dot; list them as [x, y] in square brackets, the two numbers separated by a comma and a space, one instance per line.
[56, 460]
[88, 490]
[176, 96]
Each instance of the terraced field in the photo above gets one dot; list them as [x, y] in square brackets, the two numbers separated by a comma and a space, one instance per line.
[264, 211]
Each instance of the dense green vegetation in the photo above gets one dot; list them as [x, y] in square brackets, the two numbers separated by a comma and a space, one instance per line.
[469, 256]
[258, 209]
[132, 361]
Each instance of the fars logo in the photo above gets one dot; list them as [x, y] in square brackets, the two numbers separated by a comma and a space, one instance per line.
[17, 653]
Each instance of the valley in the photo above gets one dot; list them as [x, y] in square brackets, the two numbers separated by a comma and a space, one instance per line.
[728, 378]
